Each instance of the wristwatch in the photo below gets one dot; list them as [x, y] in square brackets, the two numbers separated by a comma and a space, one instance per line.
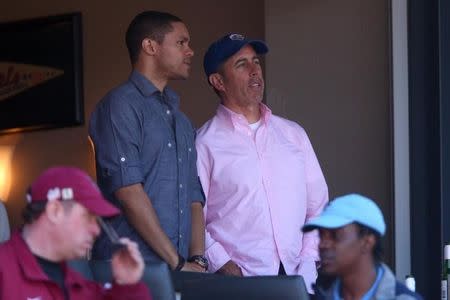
[200, 260]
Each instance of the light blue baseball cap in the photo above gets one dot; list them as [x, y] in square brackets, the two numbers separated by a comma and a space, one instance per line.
[346, 210]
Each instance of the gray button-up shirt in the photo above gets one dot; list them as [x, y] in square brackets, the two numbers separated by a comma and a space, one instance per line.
[140, 136]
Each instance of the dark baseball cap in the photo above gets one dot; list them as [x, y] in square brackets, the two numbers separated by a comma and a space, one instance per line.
[225, 47]
[69, 183]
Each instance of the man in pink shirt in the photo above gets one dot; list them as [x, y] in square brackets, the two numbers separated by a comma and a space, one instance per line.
[259, 172]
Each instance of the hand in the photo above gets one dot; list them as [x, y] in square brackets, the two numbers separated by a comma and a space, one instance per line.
[127, 263]
[230, 268]
[192, 267]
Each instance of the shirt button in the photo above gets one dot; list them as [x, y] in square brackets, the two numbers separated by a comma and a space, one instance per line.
[168, 112]
[169, 144]
[189, 149]
[181, 236]
[106, 286]
[181, 185]
[179, 159]
[181, 211]
[122, 159]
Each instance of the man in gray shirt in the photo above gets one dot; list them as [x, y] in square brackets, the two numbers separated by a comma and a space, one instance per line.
[145, 152]
[4, 223]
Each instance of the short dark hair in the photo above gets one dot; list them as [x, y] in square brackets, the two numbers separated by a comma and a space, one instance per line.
[377, 251]
[220, 72]
[33, 211]
[148, 24]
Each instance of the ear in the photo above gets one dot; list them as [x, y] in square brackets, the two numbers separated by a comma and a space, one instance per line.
[149, 46]
[54, 211]
[368, 243]
[216, 80]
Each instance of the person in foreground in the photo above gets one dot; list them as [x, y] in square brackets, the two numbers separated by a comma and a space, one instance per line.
[4, 223]
[144, 149]
[60, 225]
[350, 230]
[259, 172]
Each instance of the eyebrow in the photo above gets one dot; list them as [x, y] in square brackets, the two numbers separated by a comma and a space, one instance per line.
[244, 59]
[184, 38]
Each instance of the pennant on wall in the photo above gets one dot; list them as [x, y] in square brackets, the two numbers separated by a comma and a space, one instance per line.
[16, 78]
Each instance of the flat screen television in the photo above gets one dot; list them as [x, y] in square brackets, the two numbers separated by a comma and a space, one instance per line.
[41, 76]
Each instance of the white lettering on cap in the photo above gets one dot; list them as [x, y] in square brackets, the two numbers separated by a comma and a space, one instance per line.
[53, 194]
[236, 37]
[67, 194]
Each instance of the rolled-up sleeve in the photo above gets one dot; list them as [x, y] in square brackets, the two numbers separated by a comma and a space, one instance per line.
[195, 188]
[116, 131]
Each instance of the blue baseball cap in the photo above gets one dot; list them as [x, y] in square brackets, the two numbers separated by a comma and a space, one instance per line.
[227, 46]
[346, 210]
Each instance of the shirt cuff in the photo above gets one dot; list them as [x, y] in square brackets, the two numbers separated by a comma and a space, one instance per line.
[125, 176]
[307, 269]
[217, 257]
[196, 195]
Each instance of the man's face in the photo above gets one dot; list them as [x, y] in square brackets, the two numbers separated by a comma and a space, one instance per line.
[340, 249]
[243, 82]
[173, 57]
[81, 229]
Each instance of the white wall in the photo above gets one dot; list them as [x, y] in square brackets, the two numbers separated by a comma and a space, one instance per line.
[401, 137]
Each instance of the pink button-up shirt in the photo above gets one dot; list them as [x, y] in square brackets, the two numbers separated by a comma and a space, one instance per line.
[260, 189]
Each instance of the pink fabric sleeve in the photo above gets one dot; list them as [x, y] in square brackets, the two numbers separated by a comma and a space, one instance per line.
[214, 251]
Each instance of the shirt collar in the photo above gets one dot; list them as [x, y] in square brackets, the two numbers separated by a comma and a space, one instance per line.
[147, 89]
[234, 119]
[30, 266]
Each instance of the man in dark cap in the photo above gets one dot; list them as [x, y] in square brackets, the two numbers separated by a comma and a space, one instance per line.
[259, 172]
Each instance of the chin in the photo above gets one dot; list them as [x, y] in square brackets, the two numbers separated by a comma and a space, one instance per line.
[180, 76]
[328, 269]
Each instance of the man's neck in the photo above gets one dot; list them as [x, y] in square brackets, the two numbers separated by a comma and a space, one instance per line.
[38, 244]
[156, 78]
[358, 281]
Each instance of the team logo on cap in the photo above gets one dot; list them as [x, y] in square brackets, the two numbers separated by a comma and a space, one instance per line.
[236, 37]
[53, 194]
[57, 193]
[67, 193]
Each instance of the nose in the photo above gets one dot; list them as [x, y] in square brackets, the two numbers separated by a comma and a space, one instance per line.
[95, 227]
[255, 70]
[325, 240]
[324, 243]
[189, 51]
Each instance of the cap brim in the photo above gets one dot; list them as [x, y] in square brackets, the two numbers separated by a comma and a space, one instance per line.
[326, 221]
[101, 207]
[259, 46]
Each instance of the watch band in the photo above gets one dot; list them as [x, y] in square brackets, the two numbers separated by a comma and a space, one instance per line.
[181, 262]
[200, 260]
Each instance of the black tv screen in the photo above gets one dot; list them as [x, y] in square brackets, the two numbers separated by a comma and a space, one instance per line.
[41, 83]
